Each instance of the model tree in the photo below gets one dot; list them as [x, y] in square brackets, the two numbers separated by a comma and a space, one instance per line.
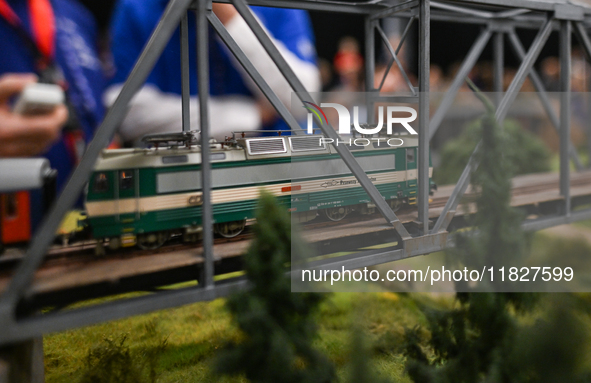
[482, 339]
[277, 325]
[526, 152]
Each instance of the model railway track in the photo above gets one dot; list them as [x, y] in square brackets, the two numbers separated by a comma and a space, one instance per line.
[83, 252]
[518, 191]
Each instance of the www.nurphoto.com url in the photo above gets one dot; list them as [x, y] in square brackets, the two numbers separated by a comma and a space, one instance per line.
[443, 274]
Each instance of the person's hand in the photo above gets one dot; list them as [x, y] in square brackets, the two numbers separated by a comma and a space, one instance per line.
[224, 12]
[22, 136]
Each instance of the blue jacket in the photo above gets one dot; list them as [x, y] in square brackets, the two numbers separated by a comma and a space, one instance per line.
[134, 21]
[75, 54]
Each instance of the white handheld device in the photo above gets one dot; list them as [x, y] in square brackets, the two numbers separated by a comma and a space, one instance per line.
[38, 99]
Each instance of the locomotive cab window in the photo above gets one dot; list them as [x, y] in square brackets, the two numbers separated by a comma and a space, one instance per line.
[101, 183]
[126, 180]
[410, 155]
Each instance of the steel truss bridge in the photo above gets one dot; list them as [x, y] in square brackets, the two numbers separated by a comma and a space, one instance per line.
[22, 325]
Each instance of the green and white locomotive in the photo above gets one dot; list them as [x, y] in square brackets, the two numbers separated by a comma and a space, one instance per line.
[144, 196]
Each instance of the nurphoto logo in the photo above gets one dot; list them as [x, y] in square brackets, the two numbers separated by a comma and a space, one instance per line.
[345, 122]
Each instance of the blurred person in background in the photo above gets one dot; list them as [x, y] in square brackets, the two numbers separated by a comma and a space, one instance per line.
[551, 73]
[348, 64]
[52, 42]
[437, 80]
[327, 78]
[580, 71]
[236, 104]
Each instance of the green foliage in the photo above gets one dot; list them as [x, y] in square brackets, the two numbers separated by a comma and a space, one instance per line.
[525, 152]
[482, 339]
[499, 240]
[553, 349]
[277, 325]
[361, 369]
[113, 361]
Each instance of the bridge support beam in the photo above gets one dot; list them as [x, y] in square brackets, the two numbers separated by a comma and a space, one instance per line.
[583, 38]
[202, 31]
[498, 65]
[370, 65]
[185, 73]
[565, 109]
[22, 362]
[424, 64]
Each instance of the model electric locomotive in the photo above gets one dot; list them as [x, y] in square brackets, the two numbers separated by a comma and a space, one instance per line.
[145, 196]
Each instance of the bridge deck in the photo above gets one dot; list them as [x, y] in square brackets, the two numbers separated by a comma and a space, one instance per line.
[69, 279]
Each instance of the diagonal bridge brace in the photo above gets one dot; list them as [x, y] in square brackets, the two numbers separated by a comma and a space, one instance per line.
[455, 86]
[543, 96]
[394, 60]
[305, 96]
[583, 38]
[524, 69]
[256, 77]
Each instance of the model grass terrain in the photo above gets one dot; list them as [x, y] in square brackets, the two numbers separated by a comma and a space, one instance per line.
[194, 334]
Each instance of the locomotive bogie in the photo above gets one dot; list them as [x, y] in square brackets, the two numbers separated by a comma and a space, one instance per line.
[192, 233]
[303, 217]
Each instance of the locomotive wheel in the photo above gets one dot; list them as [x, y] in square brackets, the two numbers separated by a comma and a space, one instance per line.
[151, 241]
[395, 204]
[114, 243]
[336, 213]
[230, 229]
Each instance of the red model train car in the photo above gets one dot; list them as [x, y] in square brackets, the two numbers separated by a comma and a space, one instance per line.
[27, 187]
